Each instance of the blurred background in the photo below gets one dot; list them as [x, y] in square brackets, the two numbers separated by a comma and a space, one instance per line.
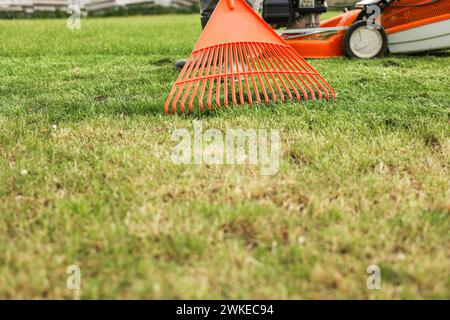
[58, 8]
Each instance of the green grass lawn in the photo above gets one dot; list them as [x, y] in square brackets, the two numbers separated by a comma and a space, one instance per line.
[86, 176]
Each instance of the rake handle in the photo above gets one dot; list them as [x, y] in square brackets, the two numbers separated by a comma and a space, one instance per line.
[231, 4]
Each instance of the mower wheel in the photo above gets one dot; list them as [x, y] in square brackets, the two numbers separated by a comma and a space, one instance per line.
[362, 42]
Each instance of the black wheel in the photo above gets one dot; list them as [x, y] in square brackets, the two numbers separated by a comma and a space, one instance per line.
[362, 42]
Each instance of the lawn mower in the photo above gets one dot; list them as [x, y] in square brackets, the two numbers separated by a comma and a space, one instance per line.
[371, 29]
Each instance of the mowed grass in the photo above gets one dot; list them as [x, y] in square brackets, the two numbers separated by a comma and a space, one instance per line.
[87, 179]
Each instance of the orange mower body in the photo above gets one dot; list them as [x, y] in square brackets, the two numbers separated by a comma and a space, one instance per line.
[325, 46]
[408, 26]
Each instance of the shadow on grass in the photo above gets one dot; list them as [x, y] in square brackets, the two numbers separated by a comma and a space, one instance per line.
[436, 54]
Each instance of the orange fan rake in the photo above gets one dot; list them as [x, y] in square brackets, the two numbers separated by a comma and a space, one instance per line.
[239, 59]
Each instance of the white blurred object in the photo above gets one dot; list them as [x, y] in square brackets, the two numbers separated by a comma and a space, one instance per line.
[256, 4]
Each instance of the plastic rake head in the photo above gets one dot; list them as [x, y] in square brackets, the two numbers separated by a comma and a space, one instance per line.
[239, 59]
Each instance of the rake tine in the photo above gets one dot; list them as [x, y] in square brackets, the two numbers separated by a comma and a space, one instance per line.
[189, 65]
[239, 51]
[255, 88]
[174, 88]
[211, 80]
[205, 79]
[175, 100]
[300, 75]
[266, 98]
[288, 73]
[312, 72]
[283, 73]
[271, 73]
[274, 97]
[294, 75]
[225, 87]
[188, 89]
[249, 93]
[231, 61]
[237, 63]
[197, 81]
[219, 78]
